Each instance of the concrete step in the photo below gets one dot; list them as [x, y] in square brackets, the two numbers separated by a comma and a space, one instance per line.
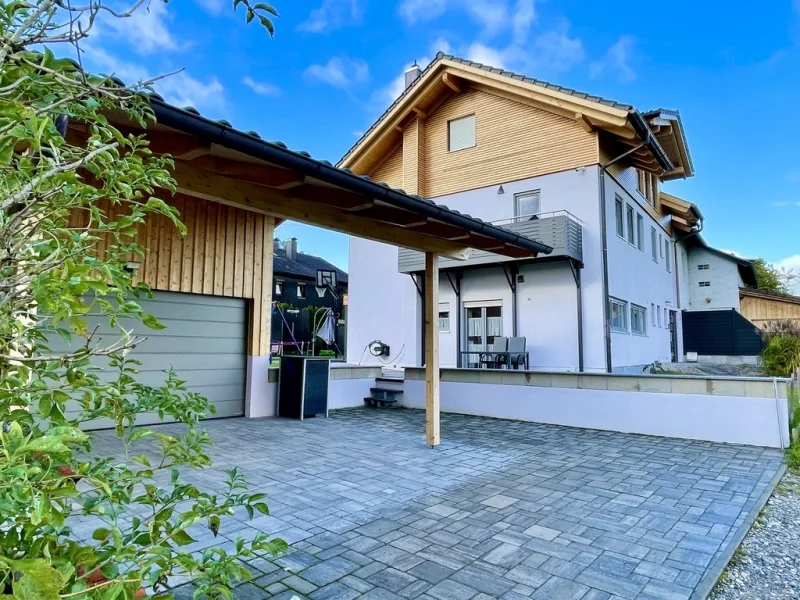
[384, 393]
[389, 382]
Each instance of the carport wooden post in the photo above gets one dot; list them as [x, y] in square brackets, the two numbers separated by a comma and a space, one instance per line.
[432, 436]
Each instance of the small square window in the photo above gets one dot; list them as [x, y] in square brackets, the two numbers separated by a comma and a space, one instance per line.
[705, 284]
[618, 314]
[461, 133]
[301, 290]
[279, 287]
[703, 267]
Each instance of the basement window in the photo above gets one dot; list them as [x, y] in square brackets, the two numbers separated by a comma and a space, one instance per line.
[461, 133]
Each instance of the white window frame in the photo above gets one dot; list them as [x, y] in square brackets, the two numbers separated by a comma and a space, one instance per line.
[623, 310]
[636, 307]
[705, 267]
[658, 314]
[450, 123]
[444, 308]
[279, 287]
[653, 313]
[518, 214]
[704, 284]
[619, 216]
[667, 255]
[666, 317]
[301, 290]
[653, 244]
[640, 231]
[661, 244]
[630, 222]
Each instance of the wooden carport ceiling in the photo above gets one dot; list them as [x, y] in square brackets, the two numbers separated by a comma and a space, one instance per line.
[216, 172]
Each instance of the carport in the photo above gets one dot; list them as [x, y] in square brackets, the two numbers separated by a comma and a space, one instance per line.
[234, 187]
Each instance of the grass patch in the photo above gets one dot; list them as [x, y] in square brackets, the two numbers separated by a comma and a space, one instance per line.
[738, 557]
[793, 458]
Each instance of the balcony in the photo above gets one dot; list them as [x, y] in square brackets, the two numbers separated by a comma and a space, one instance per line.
[560, 230]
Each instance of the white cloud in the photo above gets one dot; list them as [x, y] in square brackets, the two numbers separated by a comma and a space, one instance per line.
[780, 204]
[332, 14]
[523, 19]
[213, 7]
[413, 11]
[492, 15]
[792, 263]
[616, 61]
[262, 88]
[146, 31]
[339, 71]
[180, 89]
[441, 44]
[555, 50]
[488, 56]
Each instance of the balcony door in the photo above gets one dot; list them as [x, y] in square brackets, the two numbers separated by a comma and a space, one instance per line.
[484, 323]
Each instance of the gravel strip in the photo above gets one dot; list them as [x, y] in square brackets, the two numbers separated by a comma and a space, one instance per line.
[767, 564]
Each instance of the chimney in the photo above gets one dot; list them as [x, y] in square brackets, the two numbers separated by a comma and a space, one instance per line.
[291, 249]
[412, 74]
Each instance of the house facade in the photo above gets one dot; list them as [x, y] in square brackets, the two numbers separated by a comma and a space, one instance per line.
[578, 173]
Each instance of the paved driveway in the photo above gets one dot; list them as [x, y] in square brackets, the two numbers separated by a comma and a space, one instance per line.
[500, 510]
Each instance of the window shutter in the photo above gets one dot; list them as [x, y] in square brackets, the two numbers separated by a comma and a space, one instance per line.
[462, 133]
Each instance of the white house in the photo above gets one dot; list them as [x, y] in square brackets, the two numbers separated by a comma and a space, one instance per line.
[576, 172]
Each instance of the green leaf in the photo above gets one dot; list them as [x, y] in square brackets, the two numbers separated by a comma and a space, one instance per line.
[153, 323]
[182, 538]
[39, 580]
[6, 150]
[262, 508]
[45, 444]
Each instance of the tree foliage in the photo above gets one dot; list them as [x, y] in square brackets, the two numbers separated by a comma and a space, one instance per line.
[60, 157]
[774, 279]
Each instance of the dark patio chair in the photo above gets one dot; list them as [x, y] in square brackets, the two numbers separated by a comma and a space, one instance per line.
[489, 359]
[516, 350]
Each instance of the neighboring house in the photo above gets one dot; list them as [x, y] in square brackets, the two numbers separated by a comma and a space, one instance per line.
[576, 172]
[710, 279]
[295, 289]
[762, 306]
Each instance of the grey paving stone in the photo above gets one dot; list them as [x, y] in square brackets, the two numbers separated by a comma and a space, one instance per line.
[391, 579]
[431, 571]
[451, 590]
[557, 588]
[501, 508]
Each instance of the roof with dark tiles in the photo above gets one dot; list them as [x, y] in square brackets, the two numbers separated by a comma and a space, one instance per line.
[303, 265]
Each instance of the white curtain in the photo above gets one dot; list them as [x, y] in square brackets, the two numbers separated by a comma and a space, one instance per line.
[475, 327]
[494, 326]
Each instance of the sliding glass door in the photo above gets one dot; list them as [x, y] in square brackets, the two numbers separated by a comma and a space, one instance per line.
[484, 323]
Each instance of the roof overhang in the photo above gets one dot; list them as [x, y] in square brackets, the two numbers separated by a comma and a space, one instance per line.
[685, 215]
[447, 75]
[216, 162]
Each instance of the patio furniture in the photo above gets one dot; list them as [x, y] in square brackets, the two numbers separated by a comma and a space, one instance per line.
[489, 359]
[498, 360]
[516, 354]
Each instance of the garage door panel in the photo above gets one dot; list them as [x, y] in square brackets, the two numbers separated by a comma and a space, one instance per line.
[204, 341]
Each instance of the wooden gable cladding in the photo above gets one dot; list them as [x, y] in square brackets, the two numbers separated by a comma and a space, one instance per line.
[761, 307]
[513, 141]
[226, 252]
[390, 171]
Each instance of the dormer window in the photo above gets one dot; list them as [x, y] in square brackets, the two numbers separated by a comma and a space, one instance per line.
[461, 133]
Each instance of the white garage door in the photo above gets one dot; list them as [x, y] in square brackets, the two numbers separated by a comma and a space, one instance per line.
[204, 341]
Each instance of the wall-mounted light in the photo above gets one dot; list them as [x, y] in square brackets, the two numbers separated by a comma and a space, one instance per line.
[133, 266]
[500, 190]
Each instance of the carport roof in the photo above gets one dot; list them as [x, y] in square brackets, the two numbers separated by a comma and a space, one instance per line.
[216, 161]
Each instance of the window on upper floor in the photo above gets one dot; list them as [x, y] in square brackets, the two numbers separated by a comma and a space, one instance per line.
[461, 133]
[301, 290]
[526, 205]
[661, 244]
[618, 314]
[278, 287]
[704, 284]
[630, 221]
[640, 232]
[668, 255]
[619, 218]
[703, 267]
[647, 184]
[638, 320]
[658, 314]
[653, 314]
[654, 244]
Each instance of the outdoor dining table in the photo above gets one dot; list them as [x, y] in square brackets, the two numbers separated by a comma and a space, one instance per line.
[491, 357]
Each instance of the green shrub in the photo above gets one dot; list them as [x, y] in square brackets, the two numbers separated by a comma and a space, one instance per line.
[781, 354]
[793, 458]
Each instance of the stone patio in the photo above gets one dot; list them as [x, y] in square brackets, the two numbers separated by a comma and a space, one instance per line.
[501, 509]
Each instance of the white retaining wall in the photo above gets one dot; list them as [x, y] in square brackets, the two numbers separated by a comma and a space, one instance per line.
[738, 411]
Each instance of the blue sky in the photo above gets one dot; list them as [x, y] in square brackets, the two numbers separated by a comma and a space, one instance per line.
[731, 68]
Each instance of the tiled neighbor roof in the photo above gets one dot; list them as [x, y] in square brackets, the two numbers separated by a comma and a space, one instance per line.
[440, 56]
[304, 265]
